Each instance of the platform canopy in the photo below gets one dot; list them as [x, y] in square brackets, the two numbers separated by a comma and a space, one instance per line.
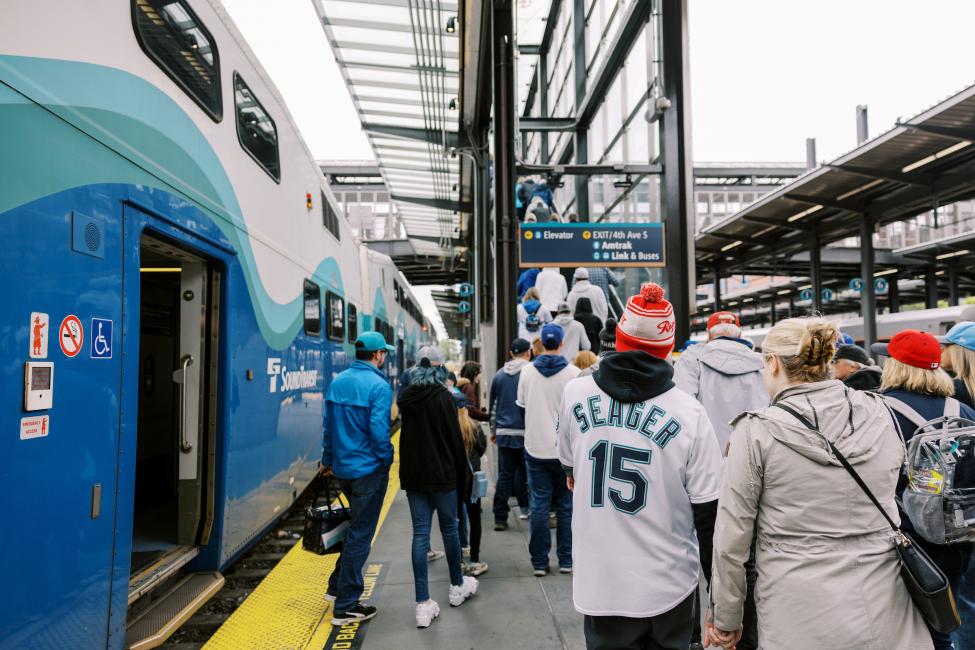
[918, 165]
[400, 62]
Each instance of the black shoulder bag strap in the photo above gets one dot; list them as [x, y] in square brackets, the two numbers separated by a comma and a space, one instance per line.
[843, 461]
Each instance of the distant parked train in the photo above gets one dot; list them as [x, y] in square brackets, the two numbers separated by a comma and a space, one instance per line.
[179, 290]
[936, 321]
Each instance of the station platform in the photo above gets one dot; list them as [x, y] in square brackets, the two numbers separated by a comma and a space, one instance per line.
[512, 608]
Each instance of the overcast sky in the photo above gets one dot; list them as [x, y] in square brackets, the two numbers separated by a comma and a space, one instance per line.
[765, 74]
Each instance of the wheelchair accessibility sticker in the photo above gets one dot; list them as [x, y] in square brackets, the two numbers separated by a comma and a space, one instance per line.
[101, 338]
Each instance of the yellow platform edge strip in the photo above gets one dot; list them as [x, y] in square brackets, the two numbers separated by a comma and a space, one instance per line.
[288, 609]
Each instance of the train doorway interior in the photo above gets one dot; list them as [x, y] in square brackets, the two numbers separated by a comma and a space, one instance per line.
[175, 362]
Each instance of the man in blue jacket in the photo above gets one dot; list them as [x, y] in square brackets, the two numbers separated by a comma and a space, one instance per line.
[356, 450]
[508, 432]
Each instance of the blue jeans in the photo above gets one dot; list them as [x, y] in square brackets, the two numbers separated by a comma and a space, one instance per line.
[546, 481]
[422, 505]
[964, 590]
[511, 480]
[365, 497]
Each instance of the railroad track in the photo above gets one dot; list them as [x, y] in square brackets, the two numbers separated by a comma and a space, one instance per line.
[243, 577]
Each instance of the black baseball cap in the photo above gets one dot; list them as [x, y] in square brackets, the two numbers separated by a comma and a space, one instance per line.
[520, 346]
[852, 353]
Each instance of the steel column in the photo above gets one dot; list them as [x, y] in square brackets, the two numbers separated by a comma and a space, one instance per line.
[543, 98]
[582, 131]
[717, 288]
[893, 295]
[931, 287]
[678, 210]
[772, 310]
[953, 297]
[815, 267]
[868, 298]
[502, 54]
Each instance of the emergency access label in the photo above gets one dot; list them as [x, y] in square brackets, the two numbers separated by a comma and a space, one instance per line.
[591, 244]
[34, 427]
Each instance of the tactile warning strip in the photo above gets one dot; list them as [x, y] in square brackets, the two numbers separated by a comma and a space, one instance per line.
[288, 610]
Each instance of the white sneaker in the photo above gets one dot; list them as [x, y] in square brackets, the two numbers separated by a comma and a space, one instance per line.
[476, 568]
[433, 555]
[565, 569]
[523, 516]
[460, 593]
[426, 612]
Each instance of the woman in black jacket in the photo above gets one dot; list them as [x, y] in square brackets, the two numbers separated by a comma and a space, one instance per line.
[433, 471]
[590, 321]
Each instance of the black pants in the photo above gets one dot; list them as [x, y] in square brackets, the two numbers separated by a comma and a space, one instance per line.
[512, 480]
[474, 533]
[749, 633]
[668, 631]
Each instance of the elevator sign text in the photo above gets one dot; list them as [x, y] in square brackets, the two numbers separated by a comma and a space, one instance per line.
[591, 244]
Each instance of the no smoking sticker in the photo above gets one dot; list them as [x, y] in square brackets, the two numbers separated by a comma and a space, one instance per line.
[71, 336]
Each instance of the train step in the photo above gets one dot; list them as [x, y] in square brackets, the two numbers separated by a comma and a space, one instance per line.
[151, 628]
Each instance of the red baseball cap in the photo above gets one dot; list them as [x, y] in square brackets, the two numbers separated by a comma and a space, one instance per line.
[723, 318]
[913, 347]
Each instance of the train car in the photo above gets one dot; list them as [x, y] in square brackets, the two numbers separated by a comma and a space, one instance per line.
[936, 321]
[180, 290]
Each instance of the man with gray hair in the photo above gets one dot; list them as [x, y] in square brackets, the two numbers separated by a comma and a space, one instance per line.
[725, 376]
[853, 367]
[430, 352]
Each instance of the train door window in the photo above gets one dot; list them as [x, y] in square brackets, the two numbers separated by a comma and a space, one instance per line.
[329, 219]
[171, 35]
[313, 309]
[255, 129]
[336, 317]
[353, 323]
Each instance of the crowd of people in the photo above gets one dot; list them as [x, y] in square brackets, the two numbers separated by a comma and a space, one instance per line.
[775, 477]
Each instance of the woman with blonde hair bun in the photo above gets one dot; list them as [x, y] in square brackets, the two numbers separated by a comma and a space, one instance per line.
[828, 573]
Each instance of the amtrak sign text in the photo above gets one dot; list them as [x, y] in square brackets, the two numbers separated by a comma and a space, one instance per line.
[591, 244]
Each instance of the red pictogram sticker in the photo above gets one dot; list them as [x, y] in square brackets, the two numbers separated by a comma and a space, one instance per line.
[71, 335]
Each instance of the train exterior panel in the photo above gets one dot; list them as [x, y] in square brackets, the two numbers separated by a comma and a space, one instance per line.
[194, 309]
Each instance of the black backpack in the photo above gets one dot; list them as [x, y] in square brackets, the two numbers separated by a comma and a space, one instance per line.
[525, 193]
[532, 322]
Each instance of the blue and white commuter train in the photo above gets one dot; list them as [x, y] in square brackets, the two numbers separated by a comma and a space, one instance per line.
[178, 292]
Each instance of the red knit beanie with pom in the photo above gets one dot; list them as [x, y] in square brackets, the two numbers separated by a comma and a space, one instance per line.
[647, 323]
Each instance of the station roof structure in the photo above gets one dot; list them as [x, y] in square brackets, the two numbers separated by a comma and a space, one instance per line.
[919, 164]
[401, 64]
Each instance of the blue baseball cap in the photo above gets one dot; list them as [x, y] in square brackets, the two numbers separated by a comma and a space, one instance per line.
[962, 334]
[846, 339]
[372, 341]
[552, 335]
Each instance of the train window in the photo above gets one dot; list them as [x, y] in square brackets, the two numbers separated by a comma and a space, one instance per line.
[353, 323]
[329, 219]
[313, 309]
[336, 317]
[171, 35]
[255, 129]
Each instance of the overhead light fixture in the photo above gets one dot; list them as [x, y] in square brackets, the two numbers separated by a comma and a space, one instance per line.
[945, 256]
[748, 300]
[940, 273]
[784, 292]
[879, 274]
[451, 25]
[805, 213]
[808, 286]
[935, 156]
[728, 247]
[732, 304]
[857, 190]
[160, 269]
[453, 104]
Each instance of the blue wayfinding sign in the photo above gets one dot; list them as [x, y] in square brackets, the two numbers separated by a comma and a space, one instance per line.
[880, 285]
[591, 244]
[463, 307]
[856, 284]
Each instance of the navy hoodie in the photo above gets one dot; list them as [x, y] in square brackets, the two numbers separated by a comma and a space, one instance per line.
[505, 413]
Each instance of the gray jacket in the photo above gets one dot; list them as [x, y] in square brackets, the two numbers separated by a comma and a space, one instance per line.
[828, 574]
[725, 376]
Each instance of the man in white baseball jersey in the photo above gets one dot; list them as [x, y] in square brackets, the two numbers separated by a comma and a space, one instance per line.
[644, 466]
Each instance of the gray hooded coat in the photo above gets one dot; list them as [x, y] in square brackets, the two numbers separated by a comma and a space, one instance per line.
[828, 574]
[725, 376]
